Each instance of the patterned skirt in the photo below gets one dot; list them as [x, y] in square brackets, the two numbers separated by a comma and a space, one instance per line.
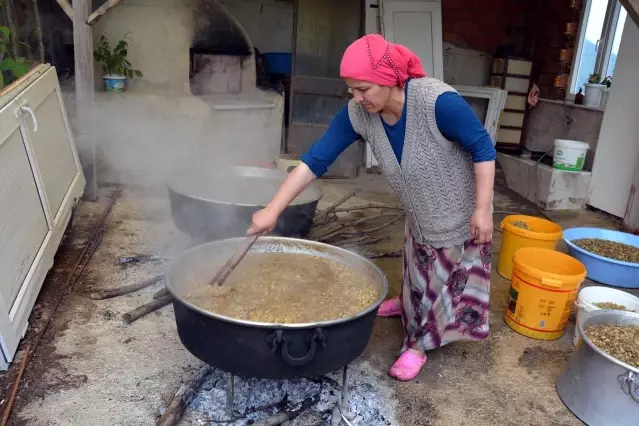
[445, 293]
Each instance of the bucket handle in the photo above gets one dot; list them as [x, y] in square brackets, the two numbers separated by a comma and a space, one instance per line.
[630, 384]
[551, 282]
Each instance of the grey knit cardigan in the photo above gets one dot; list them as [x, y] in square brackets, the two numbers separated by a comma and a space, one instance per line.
[436, 179]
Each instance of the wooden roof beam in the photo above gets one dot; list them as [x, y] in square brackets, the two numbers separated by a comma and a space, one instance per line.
[632, 7]
[102, 10]
[67, 8]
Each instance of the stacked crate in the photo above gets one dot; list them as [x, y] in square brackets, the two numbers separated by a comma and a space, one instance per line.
[512, 75]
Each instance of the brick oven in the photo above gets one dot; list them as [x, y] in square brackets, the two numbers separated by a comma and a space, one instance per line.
[198, 101]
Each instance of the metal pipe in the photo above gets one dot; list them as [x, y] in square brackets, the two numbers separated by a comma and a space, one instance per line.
[230, 391]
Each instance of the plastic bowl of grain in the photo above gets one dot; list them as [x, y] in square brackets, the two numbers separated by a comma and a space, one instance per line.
[611, 257]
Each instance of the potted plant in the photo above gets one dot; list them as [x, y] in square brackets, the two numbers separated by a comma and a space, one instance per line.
[115, 66]
[594, 89]
[11, 67]
[605, 93]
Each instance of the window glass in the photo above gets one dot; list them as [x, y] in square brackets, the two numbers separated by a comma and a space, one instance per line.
[615, 42]
[594, 26]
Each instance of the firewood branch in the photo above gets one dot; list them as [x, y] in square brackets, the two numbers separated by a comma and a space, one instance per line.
[383, 225]
[323, 215]
[182, 398]
[366, 207]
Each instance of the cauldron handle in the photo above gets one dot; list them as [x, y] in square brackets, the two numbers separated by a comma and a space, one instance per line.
[630, 384]
[278, 337]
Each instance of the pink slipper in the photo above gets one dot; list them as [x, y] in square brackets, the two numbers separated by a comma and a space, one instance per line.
[390, 308]
[407, 366]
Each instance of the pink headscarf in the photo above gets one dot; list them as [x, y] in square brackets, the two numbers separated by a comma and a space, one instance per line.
[373, 59]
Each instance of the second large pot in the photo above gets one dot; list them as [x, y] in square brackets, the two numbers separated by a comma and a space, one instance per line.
[599, 389]
[214, 204]
[266, 350]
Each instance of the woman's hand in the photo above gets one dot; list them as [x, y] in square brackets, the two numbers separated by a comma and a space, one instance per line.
[263, 221]
[482, 226]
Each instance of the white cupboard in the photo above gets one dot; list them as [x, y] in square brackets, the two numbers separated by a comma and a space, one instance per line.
[40, 182]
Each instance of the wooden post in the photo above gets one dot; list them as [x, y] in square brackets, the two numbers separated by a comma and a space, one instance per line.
[84, 94]
[632, 7]
[631, 217]
[66, 7]
[102, 10]
[11, 23]
[36, 13]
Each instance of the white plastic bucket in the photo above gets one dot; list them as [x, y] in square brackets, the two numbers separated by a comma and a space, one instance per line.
[597, 294]
[569, 155]
[592, 96]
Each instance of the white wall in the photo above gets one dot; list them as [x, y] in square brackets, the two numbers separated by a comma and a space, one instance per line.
[617, 154]
[269, 23]
[372, 17]
[159, 35]
[463, 67]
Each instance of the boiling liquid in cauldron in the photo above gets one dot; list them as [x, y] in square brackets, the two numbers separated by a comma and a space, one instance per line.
[289, 288]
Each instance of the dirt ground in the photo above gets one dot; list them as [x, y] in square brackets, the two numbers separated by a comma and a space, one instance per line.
[91, 368]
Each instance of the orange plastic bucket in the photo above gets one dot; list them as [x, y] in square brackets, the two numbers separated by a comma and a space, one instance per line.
[542, 291]
[540, 233]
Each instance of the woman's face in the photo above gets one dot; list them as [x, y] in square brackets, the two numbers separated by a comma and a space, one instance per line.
[371, 96]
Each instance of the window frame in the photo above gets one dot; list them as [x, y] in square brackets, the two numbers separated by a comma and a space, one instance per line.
[496, 104]
[611, 20]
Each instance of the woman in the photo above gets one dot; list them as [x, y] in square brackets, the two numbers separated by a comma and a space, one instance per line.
[439, 160]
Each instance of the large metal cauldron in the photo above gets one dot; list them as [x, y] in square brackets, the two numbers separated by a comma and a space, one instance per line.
[599, 389]
[263, 350]
[219, 203]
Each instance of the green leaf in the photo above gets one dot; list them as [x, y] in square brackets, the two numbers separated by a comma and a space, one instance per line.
[138, 73]
[20, 70]
[7, 64]
[5, 31]
[113, 61]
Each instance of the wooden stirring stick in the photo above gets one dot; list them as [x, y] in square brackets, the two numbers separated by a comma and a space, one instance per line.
[230, 264]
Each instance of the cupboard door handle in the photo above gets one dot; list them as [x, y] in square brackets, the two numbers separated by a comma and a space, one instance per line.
[33, 116]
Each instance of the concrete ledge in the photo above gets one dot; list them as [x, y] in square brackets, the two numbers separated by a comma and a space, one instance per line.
[548, 188]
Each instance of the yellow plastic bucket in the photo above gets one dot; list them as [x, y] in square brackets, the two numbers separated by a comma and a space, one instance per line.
[542, 291]
[540, 233]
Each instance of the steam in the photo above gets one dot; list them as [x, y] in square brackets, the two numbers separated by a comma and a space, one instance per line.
[171, 124]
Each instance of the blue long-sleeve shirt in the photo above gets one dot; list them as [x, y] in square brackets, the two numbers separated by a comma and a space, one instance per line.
[455, 119]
